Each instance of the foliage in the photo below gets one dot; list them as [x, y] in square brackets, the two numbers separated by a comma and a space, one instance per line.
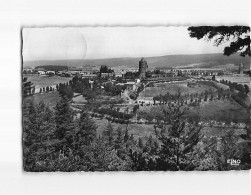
[53, 67]
[238, 36]
[105, 69]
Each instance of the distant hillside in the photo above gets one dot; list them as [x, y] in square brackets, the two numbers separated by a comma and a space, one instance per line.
[205, 60]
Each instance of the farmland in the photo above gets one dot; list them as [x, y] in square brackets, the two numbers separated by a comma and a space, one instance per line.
[50, 99]
[172, 88]
[145, 130]
[237, 79]
[44, 81]
[222, 110]
[138, 130]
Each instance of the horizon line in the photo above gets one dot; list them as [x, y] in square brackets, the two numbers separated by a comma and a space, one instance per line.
[127, 57]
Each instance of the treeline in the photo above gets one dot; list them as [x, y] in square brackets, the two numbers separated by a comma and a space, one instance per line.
[105, 69]
[88, 90]
[113, 113]
[243, 89]
[53, 67]
[78, 85]
[58, 141]
[46, 89]
[27, 87]
[193, 99]
[113, 90]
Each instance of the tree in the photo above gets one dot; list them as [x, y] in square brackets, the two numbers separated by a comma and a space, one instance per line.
[223, 149]
[119, 140]
[27, 87]
[108, 134]
[238, 36]
[140, 143]
[47, 89]
[64, 123]
[86, 132]
[126, 136]
[247, 90]
[179, 140]
[38, 129]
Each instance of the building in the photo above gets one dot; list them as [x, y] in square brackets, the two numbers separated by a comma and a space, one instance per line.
[131, 86]
[88, 75]
[41, 72]
[50, 72]
[89, 69]
[103, 74]
[27, 70]
[118, 74]
[142, 68]
[145, 100]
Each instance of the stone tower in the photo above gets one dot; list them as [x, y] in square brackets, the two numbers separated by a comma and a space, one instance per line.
[142, 68]
[241, 68]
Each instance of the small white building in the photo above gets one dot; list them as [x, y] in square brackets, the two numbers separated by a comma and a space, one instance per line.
[41, 72]
[145, 100]
[50, 71]
[131, 85]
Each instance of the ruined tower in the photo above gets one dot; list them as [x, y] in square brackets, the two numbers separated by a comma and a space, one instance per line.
[142, 68]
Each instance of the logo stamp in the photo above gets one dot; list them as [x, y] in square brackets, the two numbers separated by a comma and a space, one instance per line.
[234, 162]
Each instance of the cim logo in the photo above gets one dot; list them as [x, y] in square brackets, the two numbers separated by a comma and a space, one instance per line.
[234, 162]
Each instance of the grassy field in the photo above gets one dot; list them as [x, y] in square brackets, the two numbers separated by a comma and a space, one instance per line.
[221, 110]
[138, 130]
[172, 88]
[237, 79]
[79, 99]
[224, 110]
[143, 131]
[50, 99]
[44, 81]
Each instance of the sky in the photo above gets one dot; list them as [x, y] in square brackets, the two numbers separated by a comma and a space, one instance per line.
[57, 43]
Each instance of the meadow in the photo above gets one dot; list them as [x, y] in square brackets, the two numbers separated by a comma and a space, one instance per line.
[50, 99]
[222, 110]
[138, 130]
[44, 81]
[237, 79]
[172, 88]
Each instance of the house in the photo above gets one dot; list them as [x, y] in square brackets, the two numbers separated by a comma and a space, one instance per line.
[145, 100]
[83, 75]
[27, 70]
[41, 72]
[103, 75]
[118, 74]
[131, 85]
[49, 72]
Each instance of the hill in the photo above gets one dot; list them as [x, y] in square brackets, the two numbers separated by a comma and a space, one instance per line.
[205, 60]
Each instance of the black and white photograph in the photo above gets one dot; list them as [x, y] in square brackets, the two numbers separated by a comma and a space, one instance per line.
[125, 97]
[136, 98]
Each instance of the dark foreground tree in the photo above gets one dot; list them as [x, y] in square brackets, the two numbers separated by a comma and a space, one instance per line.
[38, 129]
[86, 132]
[179, 140]
[65, 127]
[238, 36]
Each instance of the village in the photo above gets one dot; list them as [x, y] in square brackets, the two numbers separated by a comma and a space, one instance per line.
[130, 93]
